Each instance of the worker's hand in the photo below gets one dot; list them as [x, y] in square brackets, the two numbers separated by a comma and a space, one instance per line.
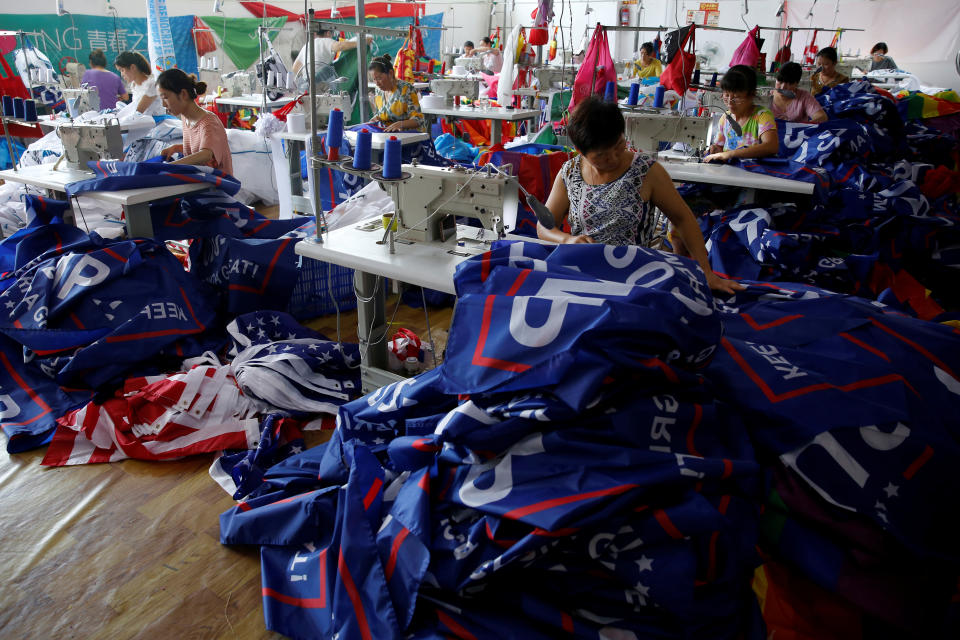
[723, 156]
[394, 126]
[722, 285]
[169, 151]
[581, 239]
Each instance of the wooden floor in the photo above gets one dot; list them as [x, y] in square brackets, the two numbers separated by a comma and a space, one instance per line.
[130, 549]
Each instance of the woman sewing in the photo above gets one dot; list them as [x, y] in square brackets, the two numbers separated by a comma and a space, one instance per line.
[790, 102]
[880, 59]
[108, 84]
[609, 192]
[827, 76]
[397, 103]
[647, 66]
[135, 71]
[204, 138]
[755, 135]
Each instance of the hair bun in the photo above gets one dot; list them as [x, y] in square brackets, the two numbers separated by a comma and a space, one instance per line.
[200, 87]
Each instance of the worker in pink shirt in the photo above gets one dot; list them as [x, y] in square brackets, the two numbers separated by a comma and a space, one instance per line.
[204, 138]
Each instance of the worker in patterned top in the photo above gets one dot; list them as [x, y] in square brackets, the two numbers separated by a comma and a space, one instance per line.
[397, 103]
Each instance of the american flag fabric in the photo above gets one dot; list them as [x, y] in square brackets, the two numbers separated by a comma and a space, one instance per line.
[115, 175]
[292, 369]
[159, 418]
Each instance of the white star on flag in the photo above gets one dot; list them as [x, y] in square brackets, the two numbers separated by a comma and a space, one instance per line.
[891, 490]
[291, 336]
[275, 319]
[11, 304]
[250, 328]
[261, 333]
[644, 564]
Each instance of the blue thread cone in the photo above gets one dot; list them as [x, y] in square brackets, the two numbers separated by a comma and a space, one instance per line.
[361, 155]
[8, 106]
[658, 94]
[18, 108]
[634, 94]
[713, 79]
[610, 92]
[696, 76]
[391, 158]
[334, 134]
[30, 111]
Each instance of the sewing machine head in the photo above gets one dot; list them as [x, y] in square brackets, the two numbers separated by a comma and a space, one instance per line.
[549, 75]
[71, 77]
[648, 127]
[327, 102]
[451, 87]
[473, 63]
[240, 83]
[90, 141]
[81, 100]
[428, 202]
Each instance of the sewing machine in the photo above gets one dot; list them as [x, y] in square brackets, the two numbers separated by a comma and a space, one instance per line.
[471, 64]
[428, 201]
[73, 74]
[646, 128]
[549, 75]
[86, 141]
[424, 250]
[240, 83]
[449, 88]
[81, 100]
[327, 102]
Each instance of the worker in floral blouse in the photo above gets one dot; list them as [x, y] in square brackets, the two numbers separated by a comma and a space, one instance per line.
[398, 106]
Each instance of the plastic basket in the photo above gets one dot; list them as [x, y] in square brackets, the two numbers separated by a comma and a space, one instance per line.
[312, 298]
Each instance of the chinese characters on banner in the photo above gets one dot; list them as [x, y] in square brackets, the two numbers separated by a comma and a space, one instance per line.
[64, 40]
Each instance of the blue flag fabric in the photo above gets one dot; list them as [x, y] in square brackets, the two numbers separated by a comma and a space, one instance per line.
[118, 176]
[45, 228]
[291, 369]
[456, 489]
[549, 310]
[91, 310]
[31, 401]
[211, 213]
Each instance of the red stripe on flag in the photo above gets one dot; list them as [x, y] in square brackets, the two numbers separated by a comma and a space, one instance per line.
[102, 455]
[372, 493]
[919, 462]
[394, 550]
[424, 483]
[926, 354]
[727, 468]
[667, 525]
[518, 282]
[425, 444]
[266, 278]
[481, 360]
[58, 453]
[485, 267]
[113, 254]
[23, 385]
[303, 603]
[776, 323]
[459, 630]
[864, 345]
[663, 366]
[354, 595]
[697, 416]
[556, 502]
[566, 622]
[779, 397]
[712, 557]
[76, 321]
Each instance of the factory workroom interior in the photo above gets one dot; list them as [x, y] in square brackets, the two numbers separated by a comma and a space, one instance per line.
[607, 319]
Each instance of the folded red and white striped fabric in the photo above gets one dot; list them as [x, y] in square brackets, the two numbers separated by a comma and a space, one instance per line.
[159, 418]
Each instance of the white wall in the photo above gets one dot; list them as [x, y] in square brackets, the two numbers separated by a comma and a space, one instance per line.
[923, 35]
